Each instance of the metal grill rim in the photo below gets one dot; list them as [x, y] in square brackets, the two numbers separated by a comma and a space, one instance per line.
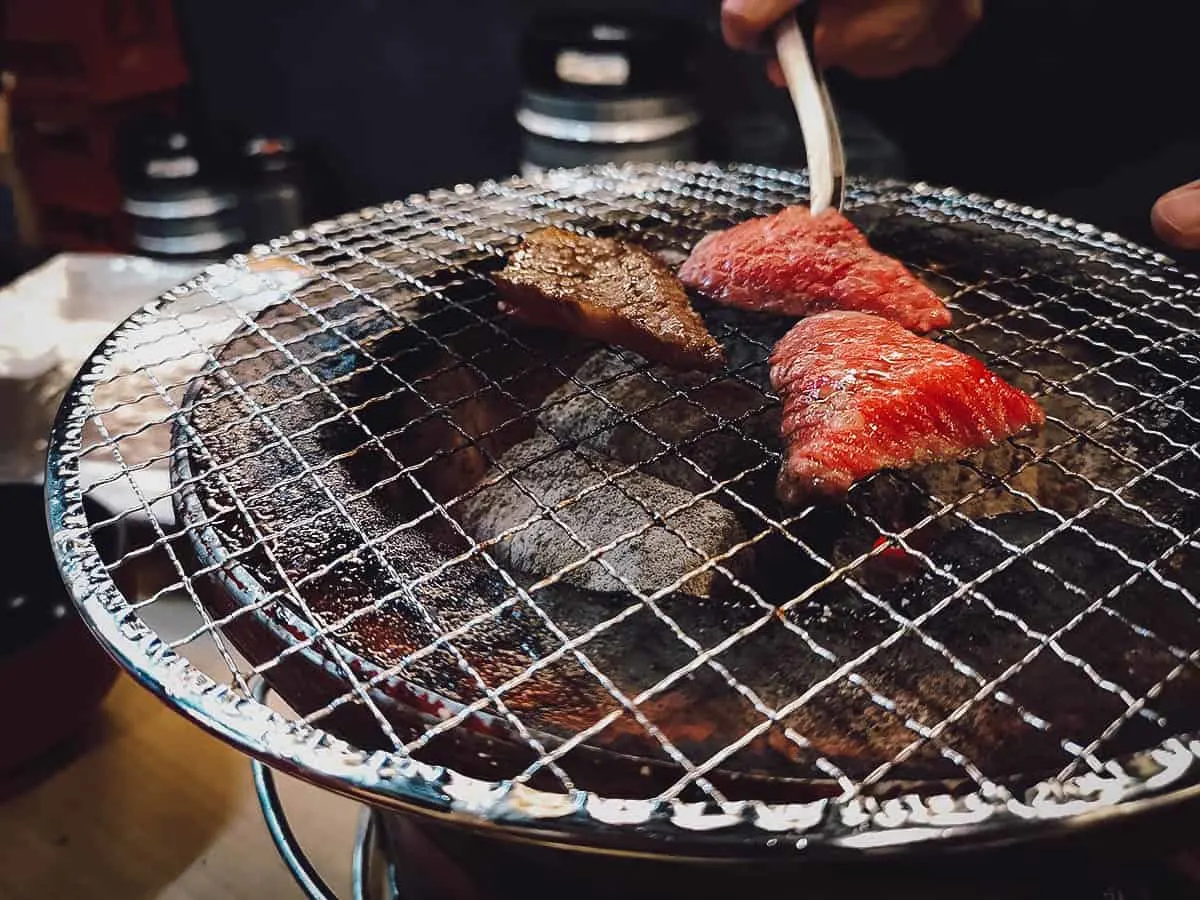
[854, 821]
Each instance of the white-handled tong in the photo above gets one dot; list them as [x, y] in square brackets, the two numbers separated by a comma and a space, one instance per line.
[818, 123]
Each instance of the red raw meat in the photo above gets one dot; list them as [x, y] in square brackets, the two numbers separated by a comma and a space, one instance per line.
[794, 263]
[861, 394]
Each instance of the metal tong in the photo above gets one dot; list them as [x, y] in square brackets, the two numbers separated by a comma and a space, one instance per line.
[818, 123]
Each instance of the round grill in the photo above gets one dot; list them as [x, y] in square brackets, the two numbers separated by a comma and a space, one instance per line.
[476, 559]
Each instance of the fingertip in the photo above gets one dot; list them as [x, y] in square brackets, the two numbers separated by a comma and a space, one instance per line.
[1175, 217]
[775, 74]
[738, 31]
[744, 21]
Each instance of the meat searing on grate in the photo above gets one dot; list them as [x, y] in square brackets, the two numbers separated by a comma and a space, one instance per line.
[607, 290]
[861, 394]
[794, 263]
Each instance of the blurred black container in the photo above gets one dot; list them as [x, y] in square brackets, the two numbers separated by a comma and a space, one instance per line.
[600, 87]
[53, 673]
[274, 190]
[180, 191]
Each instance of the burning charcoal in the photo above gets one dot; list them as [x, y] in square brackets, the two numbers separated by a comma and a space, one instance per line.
[675, 424]
[651, 560]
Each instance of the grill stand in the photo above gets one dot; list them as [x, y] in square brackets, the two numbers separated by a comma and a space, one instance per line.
[368, 844]
[382, 839]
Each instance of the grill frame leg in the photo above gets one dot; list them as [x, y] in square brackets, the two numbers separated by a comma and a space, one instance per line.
[368, 841]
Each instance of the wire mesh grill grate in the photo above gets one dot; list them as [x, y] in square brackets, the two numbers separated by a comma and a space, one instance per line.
[560, 572]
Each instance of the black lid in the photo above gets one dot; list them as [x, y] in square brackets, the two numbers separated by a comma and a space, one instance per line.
[160, 151]
[268, 157]
[608, 53]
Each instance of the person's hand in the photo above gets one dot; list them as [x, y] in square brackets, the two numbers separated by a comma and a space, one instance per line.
[1175, 217]
[868, 38]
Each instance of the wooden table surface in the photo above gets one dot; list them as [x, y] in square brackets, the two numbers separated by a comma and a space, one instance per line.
[152, 807]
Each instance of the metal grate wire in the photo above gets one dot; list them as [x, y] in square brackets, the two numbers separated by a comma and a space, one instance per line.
[255, 364]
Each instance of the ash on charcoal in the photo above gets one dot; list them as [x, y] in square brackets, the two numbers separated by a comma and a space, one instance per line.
[688, 430]
[553, 479]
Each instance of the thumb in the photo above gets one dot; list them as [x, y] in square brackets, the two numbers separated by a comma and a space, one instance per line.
[1176, 217]
[744, 21]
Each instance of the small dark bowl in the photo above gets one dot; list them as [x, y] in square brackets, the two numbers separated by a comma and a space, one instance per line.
[53, 673]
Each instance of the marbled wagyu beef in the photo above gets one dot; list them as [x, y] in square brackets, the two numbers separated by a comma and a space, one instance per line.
[794, 263]
[861, 394]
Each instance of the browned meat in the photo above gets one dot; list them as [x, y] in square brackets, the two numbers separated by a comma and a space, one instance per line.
[607, 290]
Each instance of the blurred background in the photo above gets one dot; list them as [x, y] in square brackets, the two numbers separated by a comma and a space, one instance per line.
[193, 127]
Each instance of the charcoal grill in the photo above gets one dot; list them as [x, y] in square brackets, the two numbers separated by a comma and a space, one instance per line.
[968, 654]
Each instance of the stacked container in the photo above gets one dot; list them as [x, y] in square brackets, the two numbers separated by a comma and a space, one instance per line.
[607, 88]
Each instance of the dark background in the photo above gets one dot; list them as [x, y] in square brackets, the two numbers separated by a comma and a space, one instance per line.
[1088, 108]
